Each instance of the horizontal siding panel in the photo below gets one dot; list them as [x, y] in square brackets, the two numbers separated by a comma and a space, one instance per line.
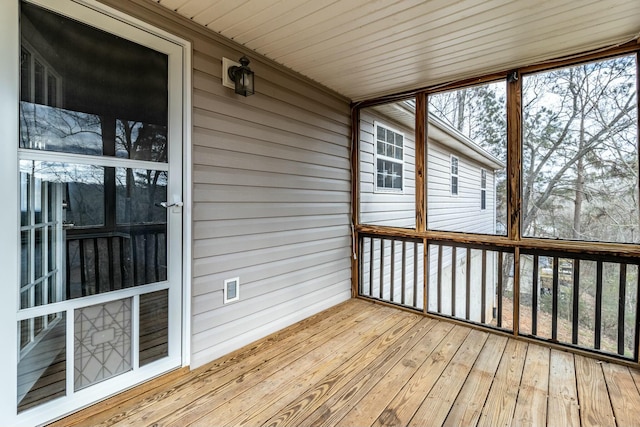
[244, 109]
[217, 211]
[227, 262]
[216, 175]
[276, 274]
[229, 245]
[206, 140]
[234, 312]
[239, 227]
[242, 161]
[237, 194]
[207, 121]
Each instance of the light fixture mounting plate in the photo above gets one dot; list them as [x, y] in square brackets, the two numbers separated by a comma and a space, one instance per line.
[226, 80]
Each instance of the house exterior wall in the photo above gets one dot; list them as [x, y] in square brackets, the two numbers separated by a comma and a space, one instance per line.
[460, 212]
[387, 208]
[271, 195]
[445, 212]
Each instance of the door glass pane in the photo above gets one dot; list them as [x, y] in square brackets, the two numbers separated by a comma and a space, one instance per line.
[154, 326]
[94, 93]
[114, 233]
[42, 364]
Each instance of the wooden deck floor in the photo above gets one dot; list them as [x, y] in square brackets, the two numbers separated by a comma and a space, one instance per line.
[361, 364]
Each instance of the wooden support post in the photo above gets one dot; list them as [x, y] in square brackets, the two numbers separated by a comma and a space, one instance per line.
[421, 161]
[516, 291]
[355, 197]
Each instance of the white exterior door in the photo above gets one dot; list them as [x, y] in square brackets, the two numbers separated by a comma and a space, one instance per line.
[97, 169]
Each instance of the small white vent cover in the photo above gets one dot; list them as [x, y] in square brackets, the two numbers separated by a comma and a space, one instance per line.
[231, 290]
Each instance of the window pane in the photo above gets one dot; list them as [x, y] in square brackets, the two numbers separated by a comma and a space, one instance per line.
[81, 102]
[467, 134]
[580, 154]
[387, 164]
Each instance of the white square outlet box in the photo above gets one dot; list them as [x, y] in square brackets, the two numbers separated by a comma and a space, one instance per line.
[231, 290]
[226, 80]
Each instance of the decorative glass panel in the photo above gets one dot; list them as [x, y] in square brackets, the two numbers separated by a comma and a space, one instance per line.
[102, 342]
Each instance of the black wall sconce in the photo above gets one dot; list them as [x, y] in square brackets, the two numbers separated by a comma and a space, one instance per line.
[238, 76]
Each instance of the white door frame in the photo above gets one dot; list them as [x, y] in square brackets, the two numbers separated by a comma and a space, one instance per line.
[102, 17]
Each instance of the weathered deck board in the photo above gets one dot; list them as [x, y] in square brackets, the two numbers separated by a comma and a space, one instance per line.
[470, 401]
[362, 364]
[563, 408]
[408, 400]
[595, 406]
[531, 407]
[371, 405]
[436, 406]
[623, 394]
[500, 405]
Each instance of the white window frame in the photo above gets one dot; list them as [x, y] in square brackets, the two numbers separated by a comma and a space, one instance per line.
[377, 156]
[455, 175]
[483, 189]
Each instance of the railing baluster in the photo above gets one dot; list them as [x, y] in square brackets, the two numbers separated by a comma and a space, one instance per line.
[381, 290]
[483, 304]
[636, 343]
[415, 274]
[360, 266]
[392, 270]
[83, 275]
[467, 306]
[123, 265]
[598, 327]
[454, 265]
[576, 301]
[134, 257]
[68, 268]
[371, 246]
[534, 295]
[96, 265]
[439, 281]
[112, 274]
[500, 263]
[554, 299]
[156, 261]
[621, 303]
[404, 271]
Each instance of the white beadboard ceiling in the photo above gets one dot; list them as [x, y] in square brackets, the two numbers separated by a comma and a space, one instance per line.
[368, 48]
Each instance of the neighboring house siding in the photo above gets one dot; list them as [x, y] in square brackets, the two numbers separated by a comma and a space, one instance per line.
[271, 192]
[461, 212]
[446, 212]
[388, 208]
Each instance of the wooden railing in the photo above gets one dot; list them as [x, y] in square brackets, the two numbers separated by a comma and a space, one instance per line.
[582, 300]
[99, 261]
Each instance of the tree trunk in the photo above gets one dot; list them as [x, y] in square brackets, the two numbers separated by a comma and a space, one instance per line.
[577, 206]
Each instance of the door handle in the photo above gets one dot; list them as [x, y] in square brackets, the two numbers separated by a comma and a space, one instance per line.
[170, 205]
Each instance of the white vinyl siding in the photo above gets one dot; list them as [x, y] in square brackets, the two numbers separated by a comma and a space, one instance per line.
[271, 206]
[460, 213]
[271, 195]
[390, 208]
